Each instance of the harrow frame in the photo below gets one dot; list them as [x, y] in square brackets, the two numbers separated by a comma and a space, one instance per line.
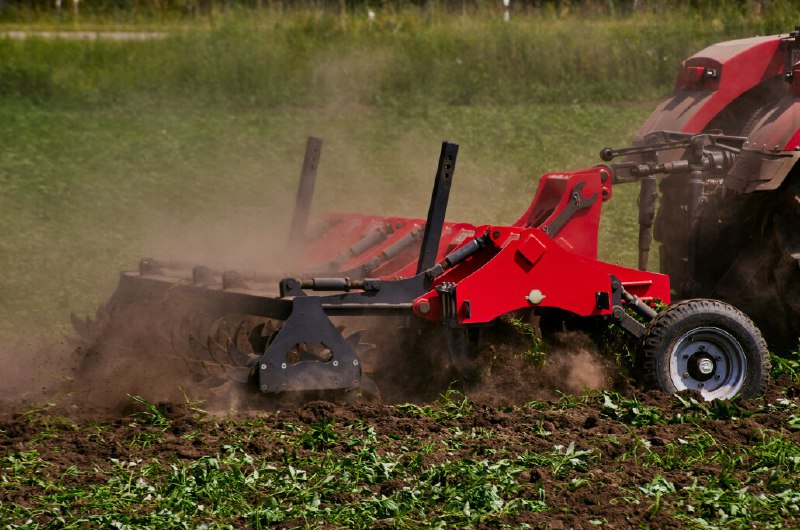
[462, 275]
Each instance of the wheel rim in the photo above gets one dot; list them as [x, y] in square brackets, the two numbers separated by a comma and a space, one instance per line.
[709, 360]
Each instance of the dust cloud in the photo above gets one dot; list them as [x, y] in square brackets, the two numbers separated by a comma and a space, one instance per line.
[158, 349]
[509, 375]
[161, 352]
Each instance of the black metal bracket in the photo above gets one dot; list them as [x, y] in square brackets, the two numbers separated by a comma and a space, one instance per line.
[308, 323]
[618, 313]
[447, 296]
[438, 206]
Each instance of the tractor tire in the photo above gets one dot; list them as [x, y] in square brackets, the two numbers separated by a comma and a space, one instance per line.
[707, 346]
[747, 253]
[786, 250]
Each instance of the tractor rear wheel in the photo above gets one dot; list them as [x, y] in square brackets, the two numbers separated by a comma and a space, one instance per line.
[707, 346]
[746, 252]
[786, 249]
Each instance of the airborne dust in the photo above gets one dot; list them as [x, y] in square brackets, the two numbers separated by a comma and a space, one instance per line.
[150, 349]
[173, 351]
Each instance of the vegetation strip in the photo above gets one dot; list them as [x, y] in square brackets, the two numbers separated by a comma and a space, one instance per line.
[603, 459]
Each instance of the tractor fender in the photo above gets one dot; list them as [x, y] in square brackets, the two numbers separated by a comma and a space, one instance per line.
[711, 80]
[771, 150]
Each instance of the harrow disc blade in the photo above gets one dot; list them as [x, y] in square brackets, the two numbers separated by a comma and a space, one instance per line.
[240, 358]
[239, 374]
[354, 339]
[258, 338]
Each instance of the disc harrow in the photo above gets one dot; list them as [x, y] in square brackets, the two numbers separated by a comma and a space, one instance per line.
[282, 333]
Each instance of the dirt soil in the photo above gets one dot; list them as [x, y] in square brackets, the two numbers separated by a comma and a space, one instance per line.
[78, 444]
[508, 378]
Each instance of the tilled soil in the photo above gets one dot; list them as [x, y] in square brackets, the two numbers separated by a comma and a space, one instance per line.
[88, 426]
[610, 485]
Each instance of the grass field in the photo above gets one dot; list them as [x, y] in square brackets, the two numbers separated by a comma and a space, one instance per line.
[190, 147]
[87, 193]
[117, 150]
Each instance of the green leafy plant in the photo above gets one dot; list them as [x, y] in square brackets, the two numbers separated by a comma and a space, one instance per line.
[630, 410]
[150, 414]
[786, 365]
[534, 353]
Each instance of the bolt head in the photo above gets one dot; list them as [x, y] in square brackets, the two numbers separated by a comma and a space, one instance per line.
[263, 366]
[336, 363]
[283, 365]
[535, 297]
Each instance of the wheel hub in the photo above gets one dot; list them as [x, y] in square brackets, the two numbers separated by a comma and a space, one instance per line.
[701, 366]
[709, 360]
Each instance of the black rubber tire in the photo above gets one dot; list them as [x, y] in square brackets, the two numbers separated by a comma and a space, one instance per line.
[704, 345]
[786, 250]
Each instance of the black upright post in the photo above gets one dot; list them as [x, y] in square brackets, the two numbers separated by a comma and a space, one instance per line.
[305, 190]
[438, 207]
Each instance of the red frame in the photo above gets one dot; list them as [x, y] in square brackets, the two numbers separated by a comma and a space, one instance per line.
[519, 258]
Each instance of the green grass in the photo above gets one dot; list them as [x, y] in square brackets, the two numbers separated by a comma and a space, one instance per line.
[87, 193]
[191, 145]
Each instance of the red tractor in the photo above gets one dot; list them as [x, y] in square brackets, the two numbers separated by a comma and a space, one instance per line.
[728, 226]
[721, 151]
